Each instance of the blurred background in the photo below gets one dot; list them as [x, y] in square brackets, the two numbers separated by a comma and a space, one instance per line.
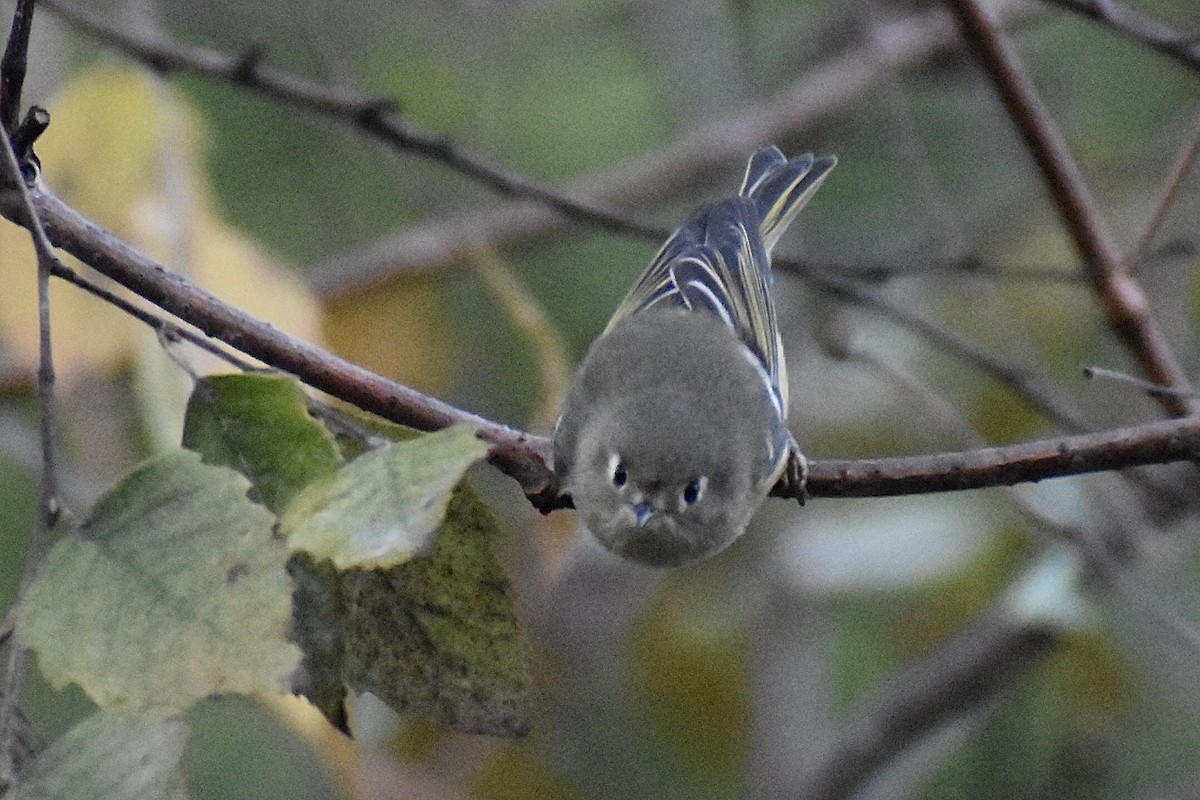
[795, 663]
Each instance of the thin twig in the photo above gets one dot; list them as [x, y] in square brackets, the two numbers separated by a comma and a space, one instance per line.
[1039, 391]
[165, 328]
[1122, 300]
[12, 72]
[1140, 27]
[12, 66]
[1179, 170]
[1152, 389]
[963, 672]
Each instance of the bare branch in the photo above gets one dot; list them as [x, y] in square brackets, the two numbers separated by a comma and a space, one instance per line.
[1184, 48]
[1121, 298]
[1155, 442]
[516, 453]
[14, 190]
[964, 672]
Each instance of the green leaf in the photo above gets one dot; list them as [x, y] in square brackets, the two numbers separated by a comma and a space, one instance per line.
[260, 426]
[111, 755]
[382, 508]
[173, 589]
[439, 635]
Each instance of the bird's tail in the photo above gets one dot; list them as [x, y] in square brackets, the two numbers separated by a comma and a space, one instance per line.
[780, 187]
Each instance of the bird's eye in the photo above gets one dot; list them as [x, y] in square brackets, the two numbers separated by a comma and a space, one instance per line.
[692, 492]
[619, 476]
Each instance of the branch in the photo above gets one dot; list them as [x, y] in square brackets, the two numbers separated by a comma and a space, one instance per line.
[514, 452]
[963, 673]
[1121, 298]
[1131, 23]
[523, 456]
[16, 193]
[1152, 443]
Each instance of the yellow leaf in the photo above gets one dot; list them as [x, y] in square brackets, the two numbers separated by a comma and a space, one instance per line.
[125, 150]
[399, 328]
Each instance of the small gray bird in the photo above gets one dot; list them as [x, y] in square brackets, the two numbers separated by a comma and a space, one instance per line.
[674, 428]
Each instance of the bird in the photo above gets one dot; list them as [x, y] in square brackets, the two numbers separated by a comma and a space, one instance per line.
[674, 427]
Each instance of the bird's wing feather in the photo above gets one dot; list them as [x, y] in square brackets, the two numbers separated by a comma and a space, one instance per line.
[719, 260]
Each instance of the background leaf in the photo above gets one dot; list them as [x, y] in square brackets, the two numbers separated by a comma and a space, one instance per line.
[111, 755]
[174, 589]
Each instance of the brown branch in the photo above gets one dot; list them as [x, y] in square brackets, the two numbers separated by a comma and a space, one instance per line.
[1131, 23]
[1121, 298]
[513, 451]
[963, 673]
[1151, 443]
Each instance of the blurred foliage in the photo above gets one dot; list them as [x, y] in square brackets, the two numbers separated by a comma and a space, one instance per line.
[112, 754]
[645, 685]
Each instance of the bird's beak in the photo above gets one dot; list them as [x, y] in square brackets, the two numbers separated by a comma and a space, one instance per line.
[643, 512]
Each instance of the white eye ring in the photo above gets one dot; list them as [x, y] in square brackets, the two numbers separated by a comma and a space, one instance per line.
[694, 490]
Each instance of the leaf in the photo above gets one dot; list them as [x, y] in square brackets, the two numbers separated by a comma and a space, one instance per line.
[111, 755]
[260, 426]
[174, 589]
[382, 508]
[439, 635]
